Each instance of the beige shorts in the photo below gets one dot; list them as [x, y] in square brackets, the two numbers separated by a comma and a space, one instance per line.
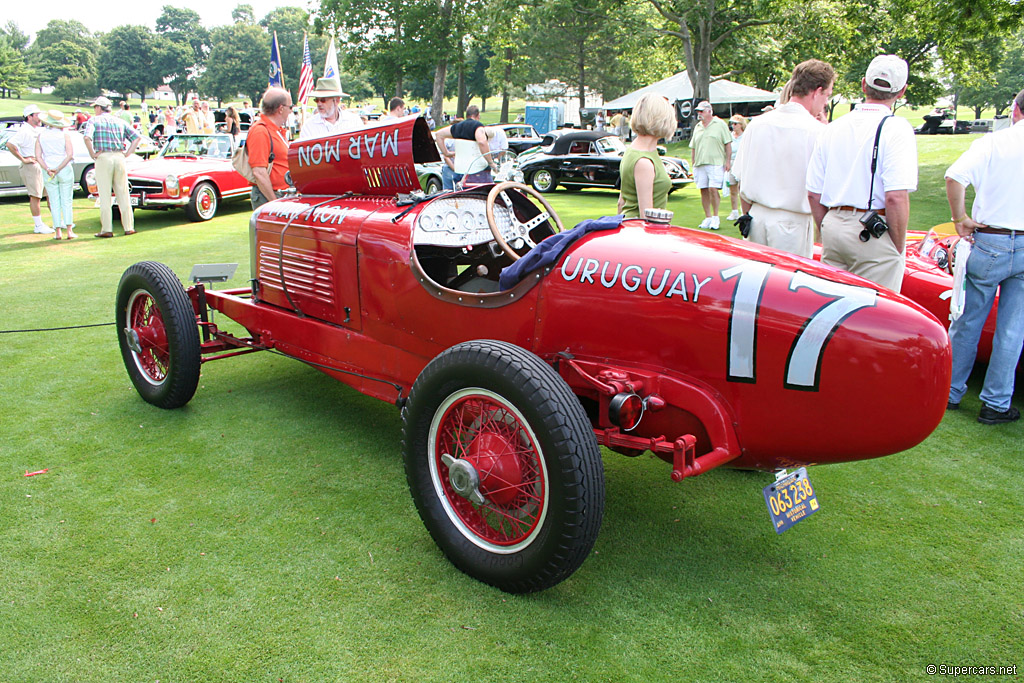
[876, 260]
[781, 229]
[32, 176]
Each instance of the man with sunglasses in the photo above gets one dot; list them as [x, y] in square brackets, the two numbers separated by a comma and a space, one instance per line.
[329, 118]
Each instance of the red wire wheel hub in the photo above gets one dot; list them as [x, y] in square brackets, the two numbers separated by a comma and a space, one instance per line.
[488, 471]
[147, 337]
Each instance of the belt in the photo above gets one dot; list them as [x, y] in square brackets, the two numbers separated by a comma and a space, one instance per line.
[880, 212]
[989, 230]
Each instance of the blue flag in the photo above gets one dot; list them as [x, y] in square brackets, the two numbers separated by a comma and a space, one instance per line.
[276, 75]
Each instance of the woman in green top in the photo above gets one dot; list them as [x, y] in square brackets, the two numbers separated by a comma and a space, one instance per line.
[644, 181]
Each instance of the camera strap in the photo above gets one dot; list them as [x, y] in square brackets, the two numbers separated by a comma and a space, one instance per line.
[874, 159]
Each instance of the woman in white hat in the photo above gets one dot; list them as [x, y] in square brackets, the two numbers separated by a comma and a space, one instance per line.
[53, 150]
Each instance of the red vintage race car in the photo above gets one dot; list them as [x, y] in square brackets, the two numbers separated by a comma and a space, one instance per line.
[191, 171]
[514, 350]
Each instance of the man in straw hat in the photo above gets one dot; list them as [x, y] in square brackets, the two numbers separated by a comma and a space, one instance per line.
[23, 146]
[105, 137]
[329, 118]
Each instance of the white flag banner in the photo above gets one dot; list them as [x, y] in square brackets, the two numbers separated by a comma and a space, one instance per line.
[331, 66]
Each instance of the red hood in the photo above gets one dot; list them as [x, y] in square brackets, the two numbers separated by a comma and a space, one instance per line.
[158, 169]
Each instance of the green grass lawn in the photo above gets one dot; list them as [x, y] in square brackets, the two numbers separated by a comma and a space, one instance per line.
[265, 532]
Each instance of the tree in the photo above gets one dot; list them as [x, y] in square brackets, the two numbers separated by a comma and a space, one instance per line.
[243, 14]
[703, 25]
[14, 37]
[239, 57]
[64, 49]
[996, 90]
[76, 89]
[14, 72]
[184, 27]
[134, 59]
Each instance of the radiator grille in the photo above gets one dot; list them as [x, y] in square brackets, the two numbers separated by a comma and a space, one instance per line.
[383, 177]
[306, 274]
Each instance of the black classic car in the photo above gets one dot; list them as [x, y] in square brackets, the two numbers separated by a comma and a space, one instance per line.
[521, 136]
[576, 159]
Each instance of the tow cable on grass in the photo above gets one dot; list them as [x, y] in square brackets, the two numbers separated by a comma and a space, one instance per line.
[55, 329]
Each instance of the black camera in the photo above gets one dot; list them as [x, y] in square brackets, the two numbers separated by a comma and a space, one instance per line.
[874, 226]
[743, 223]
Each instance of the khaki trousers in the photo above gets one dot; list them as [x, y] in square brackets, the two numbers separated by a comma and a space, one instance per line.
[781, 229]
[112, 176]
[876, 260]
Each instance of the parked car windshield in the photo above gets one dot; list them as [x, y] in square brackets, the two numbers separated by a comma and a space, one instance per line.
[611, 145]
[209, 146]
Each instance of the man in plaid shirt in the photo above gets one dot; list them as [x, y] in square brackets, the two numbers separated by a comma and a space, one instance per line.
[105, 136]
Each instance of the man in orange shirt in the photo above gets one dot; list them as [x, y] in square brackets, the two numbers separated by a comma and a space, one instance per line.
[268, 147]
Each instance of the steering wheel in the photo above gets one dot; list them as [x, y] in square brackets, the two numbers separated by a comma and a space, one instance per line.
[518, 230]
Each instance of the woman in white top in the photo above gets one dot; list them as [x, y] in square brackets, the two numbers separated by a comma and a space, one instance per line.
[737, 124]
[54, 153]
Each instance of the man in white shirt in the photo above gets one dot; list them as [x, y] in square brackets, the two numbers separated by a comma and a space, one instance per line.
[771, 163]
[994, 165]
[23, 146]
[396, 110]
[839, 180]
[328, 119]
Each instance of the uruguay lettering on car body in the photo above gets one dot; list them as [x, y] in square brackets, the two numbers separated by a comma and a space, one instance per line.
[803, 364]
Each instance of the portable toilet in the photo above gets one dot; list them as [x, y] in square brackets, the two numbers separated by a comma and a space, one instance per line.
[543, 117]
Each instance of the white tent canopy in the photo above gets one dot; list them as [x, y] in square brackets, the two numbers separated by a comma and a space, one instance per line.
[678, 87]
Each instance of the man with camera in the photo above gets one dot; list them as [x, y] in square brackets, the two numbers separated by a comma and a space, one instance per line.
[859, 180]
[993, 165]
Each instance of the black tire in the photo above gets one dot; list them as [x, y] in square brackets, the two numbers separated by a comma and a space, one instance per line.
[433, 185]
[83, 181]
[202, 204]
[115, 213]
[543, 181]
[158, 335]
[540, 466]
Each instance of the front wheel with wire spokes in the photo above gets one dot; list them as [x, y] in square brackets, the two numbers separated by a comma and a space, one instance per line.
[158, 336]
[503, 466]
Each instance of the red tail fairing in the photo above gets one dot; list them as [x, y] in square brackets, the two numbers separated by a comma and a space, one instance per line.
[376, 160]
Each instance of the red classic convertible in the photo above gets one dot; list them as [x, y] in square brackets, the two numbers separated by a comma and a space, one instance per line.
[515, 349]
[191, 171]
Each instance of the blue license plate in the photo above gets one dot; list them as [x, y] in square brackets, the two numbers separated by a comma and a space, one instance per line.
[790, 500]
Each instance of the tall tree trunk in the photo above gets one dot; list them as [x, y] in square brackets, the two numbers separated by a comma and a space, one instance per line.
[463, 101]
[506, 85]
[581, 78]
[398, 85]
[437, 101]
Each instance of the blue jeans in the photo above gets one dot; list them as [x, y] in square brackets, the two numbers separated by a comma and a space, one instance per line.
[449, 178]
[996, 261]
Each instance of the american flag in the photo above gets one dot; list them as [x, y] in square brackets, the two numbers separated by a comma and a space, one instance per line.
[306, 74]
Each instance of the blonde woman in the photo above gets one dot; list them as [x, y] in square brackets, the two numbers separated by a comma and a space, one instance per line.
[737, 124]
[54, 153]
[644, 181]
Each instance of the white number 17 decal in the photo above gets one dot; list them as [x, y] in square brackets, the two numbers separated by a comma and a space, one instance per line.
[803, 366]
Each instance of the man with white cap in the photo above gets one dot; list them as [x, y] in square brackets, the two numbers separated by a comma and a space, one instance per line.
[105, 137]
[859, 180]
[328, 119]
[23, 146]
[711, 157]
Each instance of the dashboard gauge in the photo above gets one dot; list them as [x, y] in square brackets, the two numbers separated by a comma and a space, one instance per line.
[451, 221]
[468, 224]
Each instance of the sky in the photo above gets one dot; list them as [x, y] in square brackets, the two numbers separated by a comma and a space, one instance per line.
[103, 16]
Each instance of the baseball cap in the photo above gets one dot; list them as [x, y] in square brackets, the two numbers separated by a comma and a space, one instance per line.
[887, 73]
[102, 101]
[704, 105]
[31, 109]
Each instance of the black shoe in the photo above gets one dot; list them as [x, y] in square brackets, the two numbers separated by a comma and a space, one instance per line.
[952, 406]
[989, 416]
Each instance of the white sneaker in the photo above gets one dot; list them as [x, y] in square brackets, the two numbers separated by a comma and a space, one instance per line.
[734, 215]
[43, 230]
[715, 223]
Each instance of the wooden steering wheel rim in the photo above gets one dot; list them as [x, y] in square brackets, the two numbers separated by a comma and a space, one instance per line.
[493, 224]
